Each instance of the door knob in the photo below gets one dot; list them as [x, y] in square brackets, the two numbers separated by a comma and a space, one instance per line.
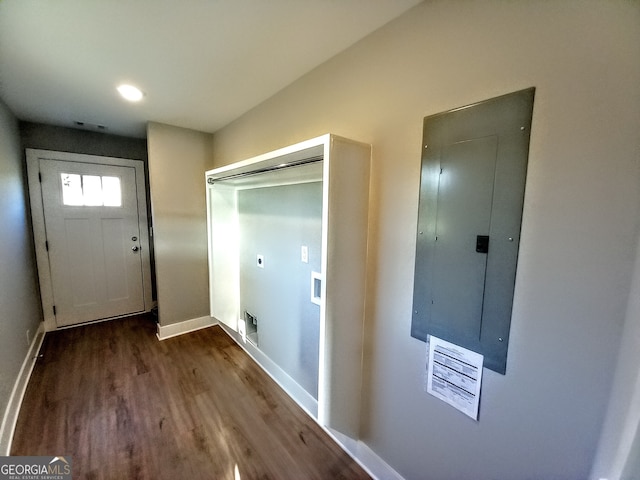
[135, 248]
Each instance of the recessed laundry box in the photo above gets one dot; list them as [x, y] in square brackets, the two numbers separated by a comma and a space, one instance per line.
[287, 257]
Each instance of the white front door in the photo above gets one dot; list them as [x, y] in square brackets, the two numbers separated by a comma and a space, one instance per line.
[93, 238]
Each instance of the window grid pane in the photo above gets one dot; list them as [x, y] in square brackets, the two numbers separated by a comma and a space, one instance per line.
[71, 189]
[111, 193]
[90, 190]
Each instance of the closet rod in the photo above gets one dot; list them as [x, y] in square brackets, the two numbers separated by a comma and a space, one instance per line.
[296, 163]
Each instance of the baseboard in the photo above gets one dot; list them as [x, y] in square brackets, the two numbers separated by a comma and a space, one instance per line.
[17, 394]
[303, 398]
[375, 466]
[180, 328]
[369, 460]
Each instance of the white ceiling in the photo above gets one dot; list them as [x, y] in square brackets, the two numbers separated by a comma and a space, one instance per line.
[201, 63]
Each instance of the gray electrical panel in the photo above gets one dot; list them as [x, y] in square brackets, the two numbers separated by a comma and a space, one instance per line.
[474, 165]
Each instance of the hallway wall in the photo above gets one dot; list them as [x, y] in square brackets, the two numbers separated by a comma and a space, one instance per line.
[582, 206]
[178, 159]
[20, 310]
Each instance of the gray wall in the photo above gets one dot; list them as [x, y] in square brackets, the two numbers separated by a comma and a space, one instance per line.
[632, 465]
[61, 139]
[178, 159]
[275, 222]
[20, 308]
[620, 440]
[582, 205]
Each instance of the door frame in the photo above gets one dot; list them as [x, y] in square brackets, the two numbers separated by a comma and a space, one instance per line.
[33, 157]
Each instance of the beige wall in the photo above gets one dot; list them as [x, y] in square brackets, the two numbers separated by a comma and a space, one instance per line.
[20, 309]
[543, 418]
[178, 159]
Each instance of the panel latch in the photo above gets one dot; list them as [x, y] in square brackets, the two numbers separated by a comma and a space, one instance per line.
[482, 243]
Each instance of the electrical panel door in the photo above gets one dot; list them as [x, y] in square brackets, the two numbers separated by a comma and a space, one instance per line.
[473, 174]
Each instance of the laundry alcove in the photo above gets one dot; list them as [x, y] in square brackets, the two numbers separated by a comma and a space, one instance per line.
[287, 258]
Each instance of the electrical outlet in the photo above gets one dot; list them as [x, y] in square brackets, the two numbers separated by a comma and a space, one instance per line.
[304, 254]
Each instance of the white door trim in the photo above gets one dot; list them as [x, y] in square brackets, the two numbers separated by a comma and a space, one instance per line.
[39, 231]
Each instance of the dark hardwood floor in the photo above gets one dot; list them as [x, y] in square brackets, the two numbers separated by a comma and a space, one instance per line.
[124, 405]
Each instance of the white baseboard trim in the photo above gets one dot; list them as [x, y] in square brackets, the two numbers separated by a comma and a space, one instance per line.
[10, 417]
[303, 398]
[180, 328]
[375, 466]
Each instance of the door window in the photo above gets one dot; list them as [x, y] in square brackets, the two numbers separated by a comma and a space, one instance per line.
[90, 190]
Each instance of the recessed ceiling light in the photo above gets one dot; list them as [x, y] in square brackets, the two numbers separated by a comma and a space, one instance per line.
[131, 93]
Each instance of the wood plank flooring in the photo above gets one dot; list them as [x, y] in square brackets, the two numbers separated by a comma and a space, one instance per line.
[124, 405]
